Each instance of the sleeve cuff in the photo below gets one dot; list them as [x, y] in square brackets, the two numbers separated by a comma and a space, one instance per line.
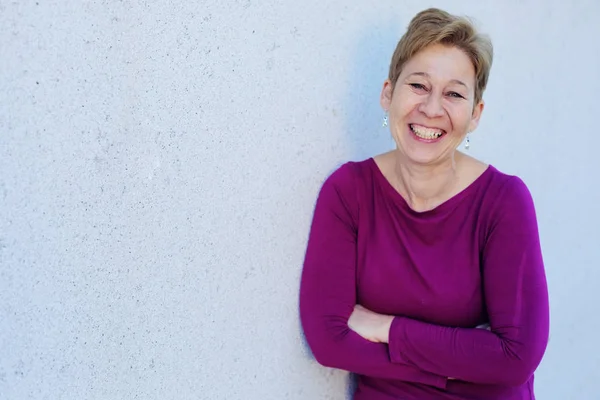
[396, 340]
[397, 345]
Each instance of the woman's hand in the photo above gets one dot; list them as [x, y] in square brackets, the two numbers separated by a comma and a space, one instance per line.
[370, 325]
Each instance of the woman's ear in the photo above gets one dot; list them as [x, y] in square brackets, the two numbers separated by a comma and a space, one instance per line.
[385, 98]
[477, 110]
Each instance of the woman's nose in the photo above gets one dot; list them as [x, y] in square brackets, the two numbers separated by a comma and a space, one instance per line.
[432, 106]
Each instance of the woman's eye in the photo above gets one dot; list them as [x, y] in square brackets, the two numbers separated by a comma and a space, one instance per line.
[417, 86]
[455, 95]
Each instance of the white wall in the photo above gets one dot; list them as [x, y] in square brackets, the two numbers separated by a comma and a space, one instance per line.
[159, 163]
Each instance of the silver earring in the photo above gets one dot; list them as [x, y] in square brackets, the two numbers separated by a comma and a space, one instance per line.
[467, 143]
[385, 120]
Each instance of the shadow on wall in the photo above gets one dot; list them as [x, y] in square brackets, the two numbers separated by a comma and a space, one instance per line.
[364, 114]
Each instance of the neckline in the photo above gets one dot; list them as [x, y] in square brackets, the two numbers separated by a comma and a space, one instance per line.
[440, 208]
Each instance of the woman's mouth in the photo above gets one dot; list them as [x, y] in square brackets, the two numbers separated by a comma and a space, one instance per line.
[425, 134]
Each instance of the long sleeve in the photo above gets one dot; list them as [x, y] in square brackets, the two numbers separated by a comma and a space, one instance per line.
[328, 290]
[515, 291]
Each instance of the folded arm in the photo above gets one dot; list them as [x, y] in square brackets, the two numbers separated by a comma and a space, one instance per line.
[328, 291]
[517, 302]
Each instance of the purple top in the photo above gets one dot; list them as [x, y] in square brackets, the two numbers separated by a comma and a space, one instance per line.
[474, 259]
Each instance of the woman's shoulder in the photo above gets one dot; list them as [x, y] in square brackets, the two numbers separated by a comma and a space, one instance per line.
[496, 181]
[349, 173]
[506, 184]
[341, 188]
[347, 181]
[507, 192]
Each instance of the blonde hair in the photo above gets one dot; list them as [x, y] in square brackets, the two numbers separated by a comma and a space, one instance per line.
[435, 26]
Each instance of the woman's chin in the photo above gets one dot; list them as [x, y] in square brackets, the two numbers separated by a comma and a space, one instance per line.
[426, 157]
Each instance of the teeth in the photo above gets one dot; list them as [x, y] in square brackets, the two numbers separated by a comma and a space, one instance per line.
[426, 133]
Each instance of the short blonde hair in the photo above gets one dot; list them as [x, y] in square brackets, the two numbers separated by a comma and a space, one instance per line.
[435, 26]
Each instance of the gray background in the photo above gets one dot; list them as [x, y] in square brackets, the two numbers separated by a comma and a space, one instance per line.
[159, 163]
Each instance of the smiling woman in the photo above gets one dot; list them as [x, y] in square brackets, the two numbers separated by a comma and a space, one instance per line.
[433, 101]
[413, 251]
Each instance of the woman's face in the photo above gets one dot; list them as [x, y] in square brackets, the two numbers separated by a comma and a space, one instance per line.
[431, 108]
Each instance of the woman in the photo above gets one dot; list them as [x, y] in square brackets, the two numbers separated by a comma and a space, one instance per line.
[411, 252]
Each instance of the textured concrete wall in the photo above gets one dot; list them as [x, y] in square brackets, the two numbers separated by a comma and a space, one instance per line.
[159, 163]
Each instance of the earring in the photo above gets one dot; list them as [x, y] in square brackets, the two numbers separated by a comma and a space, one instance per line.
[385, 120]
[467, 143]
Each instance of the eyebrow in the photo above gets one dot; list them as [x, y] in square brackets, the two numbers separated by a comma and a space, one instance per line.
[426, 75]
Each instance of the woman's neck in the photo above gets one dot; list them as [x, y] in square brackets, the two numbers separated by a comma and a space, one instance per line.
[425, 187]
